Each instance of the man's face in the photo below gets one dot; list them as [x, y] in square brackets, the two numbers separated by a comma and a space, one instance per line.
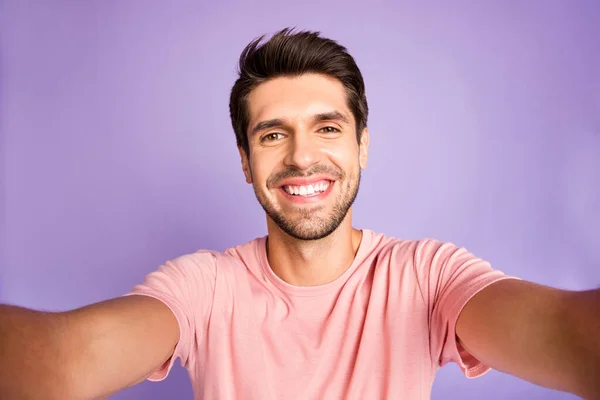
[304, 160]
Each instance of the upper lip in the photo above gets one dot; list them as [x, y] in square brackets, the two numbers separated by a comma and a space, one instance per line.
[305, 181]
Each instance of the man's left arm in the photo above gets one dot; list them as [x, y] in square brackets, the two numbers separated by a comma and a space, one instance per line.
[547, 336]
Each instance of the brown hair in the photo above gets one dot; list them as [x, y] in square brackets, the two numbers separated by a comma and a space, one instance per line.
[293, 54]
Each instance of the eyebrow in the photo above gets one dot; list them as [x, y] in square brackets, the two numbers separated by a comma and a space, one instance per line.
[278, 123]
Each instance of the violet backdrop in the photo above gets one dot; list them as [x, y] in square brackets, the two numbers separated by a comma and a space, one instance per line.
[117, 151]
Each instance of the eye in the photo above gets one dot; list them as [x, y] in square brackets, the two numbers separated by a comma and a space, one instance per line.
[271, 137]
[329, 129]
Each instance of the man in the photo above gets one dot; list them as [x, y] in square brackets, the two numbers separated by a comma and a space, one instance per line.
[317, 309]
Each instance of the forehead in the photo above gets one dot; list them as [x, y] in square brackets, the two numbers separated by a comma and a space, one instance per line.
[297, 98]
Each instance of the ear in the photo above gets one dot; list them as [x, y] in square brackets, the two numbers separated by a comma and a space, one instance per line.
[363, 148]
[245, 165]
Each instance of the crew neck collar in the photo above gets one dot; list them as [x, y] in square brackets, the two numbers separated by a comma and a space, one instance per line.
[311, 290]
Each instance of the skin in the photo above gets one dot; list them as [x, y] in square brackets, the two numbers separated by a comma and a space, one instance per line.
[310, 242]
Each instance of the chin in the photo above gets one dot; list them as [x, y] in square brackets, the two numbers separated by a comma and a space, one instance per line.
[314, 228]
[309, 234]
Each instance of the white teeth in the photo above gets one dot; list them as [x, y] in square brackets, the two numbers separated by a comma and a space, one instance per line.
[307, 190]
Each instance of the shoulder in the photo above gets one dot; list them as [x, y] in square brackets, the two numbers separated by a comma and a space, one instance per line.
[434, 260]
[206, 258]
[186, 267]
[232, 262]
[423, 256]
[384, 246]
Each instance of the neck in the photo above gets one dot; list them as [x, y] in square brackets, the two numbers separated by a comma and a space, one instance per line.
[312, 262]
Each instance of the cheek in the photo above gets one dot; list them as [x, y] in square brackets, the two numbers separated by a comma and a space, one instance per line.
[264, 162]
[260, 172]
[345, 156]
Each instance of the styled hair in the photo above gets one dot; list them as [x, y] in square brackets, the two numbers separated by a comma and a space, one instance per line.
[290, 54]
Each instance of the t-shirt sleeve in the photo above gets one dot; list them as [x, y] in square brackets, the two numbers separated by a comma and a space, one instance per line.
[450, 276]
[186, 286]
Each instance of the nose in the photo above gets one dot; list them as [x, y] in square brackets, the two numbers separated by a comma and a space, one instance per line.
[303, 151]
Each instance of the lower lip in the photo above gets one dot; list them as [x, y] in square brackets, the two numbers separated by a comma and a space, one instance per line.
[307, 199]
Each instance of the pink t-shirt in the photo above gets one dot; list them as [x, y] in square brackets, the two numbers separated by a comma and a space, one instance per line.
[379, 331]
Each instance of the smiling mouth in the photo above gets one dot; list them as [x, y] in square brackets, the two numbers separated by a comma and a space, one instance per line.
[310, 190]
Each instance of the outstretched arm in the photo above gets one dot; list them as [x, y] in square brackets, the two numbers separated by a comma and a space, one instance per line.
[88, 353]
[547, 336]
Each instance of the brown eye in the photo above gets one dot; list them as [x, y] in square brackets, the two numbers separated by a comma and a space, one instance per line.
[329, 129]
[271, 137]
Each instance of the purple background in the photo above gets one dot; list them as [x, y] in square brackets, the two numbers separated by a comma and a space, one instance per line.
[117, 151]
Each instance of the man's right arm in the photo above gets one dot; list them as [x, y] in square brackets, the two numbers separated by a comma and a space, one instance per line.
[88, 353]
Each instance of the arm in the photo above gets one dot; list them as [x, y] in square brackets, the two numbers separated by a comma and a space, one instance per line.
[547, 336]
[88, 353]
